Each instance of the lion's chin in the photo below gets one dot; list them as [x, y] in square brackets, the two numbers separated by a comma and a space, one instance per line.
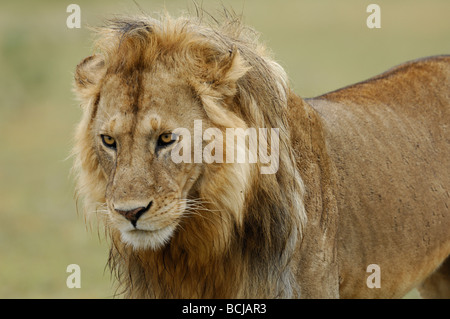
[147, 239]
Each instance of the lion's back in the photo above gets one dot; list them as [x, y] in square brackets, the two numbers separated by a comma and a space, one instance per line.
[389, 138]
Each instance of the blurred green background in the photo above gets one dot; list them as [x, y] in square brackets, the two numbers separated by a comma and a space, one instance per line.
[322, 44]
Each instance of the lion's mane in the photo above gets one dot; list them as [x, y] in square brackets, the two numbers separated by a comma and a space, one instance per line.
[245, 248]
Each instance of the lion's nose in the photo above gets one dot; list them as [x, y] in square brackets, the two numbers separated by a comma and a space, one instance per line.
[133, 214]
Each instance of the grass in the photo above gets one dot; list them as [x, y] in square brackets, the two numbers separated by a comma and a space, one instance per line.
[323, 45]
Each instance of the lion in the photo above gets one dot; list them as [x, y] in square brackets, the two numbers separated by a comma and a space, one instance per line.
[363, 173]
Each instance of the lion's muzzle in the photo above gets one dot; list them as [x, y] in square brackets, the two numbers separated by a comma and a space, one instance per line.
[133, 214]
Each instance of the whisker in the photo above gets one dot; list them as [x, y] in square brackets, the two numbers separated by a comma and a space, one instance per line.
[196, 207]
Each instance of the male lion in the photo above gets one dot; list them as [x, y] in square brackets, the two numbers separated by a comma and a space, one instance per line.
[363, 175]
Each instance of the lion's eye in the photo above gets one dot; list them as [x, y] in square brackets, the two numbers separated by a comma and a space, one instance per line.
[109, 141]
[165, 139]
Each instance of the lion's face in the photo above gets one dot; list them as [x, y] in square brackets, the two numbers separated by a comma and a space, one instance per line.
[140, 96]
[147, 87]
[134, 132]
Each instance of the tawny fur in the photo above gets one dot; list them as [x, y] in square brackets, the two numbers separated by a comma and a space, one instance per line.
[376, 152]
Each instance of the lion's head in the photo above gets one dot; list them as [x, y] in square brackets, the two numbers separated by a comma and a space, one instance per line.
[150, 81]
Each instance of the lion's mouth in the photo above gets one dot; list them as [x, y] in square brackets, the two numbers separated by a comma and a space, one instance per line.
[145, 231]
[140, 238]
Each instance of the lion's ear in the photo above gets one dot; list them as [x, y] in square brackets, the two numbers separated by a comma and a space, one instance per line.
[217, 85]
[230, 68]
[88, 74]
[221, 71]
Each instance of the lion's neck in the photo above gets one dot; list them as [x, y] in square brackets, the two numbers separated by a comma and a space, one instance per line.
[174, 272]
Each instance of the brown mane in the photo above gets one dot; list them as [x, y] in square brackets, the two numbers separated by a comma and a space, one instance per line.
[244, 252]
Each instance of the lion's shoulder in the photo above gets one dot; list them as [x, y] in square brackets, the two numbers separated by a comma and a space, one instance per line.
[402, 82]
